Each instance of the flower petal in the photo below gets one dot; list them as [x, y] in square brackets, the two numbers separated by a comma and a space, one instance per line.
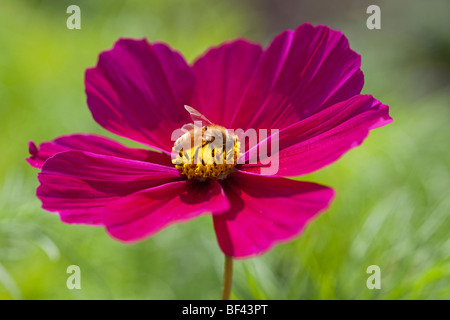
[79, 184]
[300, 73]
[265, 211]
[321, 139]
[143, 213]
[222, 76]
[138, 90]
[91, 143]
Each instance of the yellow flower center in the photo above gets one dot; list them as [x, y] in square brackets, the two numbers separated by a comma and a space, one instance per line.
[206, 152]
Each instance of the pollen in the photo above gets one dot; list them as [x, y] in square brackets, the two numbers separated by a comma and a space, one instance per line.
[206, 152]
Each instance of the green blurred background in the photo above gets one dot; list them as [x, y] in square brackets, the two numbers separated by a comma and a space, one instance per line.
[392, 208]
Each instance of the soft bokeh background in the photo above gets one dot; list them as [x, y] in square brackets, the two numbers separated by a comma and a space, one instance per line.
[392, 208]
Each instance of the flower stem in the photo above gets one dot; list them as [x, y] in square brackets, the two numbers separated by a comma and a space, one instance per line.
[227, 278]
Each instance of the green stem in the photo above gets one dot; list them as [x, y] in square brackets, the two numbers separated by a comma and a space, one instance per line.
[227, 278]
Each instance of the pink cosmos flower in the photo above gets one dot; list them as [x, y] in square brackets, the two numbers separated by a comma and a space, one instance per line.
[307, 84]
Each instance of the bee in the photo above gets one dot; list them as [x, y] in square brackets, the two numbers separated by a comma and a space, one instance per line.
[204, 142]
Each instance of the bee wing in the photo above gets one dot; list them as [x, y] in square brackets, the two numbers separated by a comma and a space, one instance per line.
[197, 116]
[188, 127]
